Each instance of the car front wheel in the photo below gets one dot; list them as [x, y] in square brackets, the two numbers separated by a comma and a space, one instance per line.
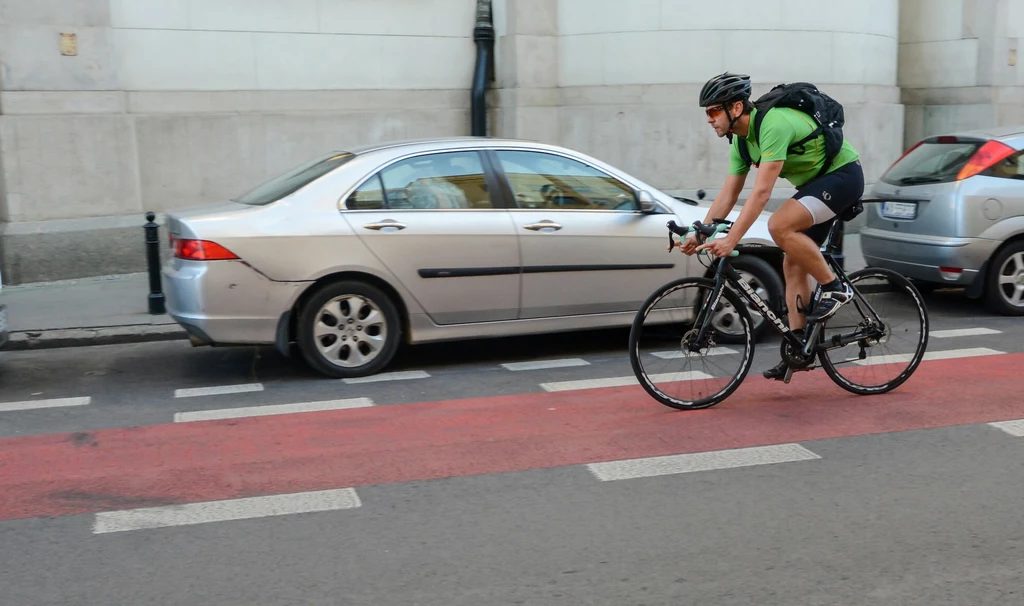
[348, 329]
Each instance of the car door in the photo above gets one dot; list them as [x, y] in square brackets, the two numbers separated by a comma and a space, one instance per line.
[585, 247]
[432, 221]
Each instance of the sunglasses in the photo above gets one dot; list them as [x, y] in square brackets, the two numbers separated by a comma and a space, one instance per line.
[714, 111]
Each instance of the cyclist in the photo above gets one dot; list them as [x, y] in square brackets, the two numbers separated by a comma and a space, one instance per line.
[800, 225]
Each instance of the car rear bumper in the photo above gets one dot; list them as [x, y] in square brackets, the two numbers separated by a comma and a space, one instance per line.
[226, 302]
[922, 257]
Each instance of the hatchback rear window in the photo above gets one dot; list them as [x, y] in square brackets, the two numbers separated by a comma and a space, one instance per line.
[294, 179]
[932, 162]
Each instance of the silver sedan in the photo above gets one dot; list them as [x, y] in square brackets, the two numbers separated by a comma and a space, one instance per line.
[354, 253]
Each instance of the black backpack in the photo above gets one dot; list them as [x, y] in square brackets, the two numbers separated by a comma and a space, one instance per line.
[805, 97]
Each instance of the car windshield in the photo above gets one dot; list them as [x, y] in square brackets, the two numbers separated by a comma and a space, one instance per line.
[293, 180]
[931, 163]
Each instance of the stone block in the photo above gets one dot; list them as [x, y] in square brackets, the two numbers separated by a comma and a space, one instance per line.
[939, 64]
[62, 102]
[253, 15]
[61, 250]
[32, 60]
[448, 18]
[149, 14]
[577, 17]
[68, 166]
[55, 12]
[529, 17]
[186, 60]
[931, 20]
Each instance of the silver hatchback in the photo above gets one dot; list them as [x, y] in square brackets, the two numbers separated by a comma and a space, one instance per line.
[354, 253]
[953, 216]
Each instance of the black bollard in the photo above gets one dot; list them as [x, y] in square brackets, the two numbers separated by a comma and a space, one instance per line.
[156, 295]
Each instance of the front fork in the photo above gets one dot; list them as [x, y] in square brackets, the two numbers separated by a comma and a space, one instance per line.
[710, 306]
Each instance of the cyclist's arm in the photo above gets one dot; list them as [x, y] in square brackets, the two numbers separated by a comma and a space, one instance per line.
[767, 175]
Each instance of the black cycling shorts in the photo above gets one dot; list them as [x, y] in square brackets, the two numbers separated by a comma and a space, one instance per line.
[830, 195]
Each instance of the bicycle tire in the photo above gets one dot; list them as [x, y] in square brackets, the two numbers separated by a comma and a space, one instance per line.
[637, 363]
[901, 281]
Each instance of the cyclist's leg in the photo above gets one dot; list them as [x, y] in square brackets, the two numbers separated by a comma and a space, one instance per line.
[788, 226]
[822, 200]
[798, 291]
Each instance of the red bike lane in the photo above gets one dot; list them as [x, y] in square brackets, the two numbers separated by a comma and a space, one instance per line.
[127, 468]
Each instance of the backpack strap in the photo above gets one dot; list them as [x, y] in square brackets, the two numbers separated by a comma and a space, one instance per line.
[741, 145]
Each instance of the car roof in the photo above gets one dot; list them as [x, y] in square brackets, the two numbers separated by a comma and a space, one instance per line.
[450, 142]
[996, 132]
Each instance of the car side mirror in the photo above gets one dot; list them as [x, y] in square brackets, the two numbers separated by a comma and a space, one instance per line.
[646, 201]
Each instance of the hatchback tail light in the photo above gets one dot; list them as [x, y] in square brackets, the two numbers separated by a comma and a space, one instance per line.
[201, 250]
[986, 157]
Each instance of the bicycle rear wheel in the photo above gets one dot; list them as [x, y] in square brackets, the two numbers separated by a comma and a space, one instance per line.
[660, 352]
[876, 359]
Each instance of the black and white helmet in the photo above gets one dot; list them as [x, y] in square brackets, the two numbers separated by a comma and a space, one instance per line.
[724, 88]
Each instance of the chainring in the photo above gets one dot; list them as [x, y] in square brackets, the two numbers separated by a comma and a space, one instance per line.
[795, 358]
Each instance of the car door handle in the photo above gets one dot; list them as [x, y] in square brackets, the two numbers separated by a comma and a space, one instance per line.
[543, 225]
[385, 224]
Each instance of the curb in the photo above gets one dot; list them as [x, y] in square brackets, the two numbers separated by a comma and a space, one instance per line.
[82, 337]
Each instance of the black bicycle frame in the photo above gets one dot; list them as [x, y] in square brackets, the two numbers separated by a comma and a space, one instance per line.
[724, 272]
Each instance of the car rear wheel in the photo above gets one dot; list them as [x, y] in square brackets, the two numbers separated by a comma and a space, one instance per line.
[348, 329]
[1005, 282]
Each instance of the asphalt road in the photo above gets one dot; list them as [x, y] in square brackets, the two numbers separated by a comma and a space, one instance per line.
[462, 481]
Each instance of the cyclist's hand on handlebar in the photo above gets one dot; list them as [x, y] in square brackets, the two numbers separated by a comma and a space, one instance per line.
[718, 248]
[689, 245]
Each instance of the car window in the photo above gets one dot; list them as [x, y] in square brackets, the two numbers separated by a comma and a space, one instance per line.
[1010, 168]
[449, 180]
[548, 181]
[931, 163]
[293, 180]
[369, 196]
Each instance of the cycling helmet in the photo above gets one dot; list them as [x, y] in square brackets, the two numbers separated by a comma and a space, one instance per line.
[724, 88]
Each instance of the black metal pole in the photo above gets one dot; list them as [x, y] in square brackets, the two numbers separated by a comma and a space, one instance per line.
[156, 295]
[483, 36]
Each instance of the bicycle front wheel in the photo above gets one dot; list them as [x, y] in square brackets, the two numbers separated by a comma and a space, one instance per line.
[875, 357]
[667, 360]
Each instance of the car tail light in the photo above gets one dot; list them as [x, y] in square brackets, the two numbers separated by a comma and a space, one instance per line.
[990, 154]
[201, 250]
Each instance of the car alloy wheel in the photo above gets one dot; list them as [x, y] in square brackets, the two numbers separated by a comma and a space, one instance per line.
[1006, 282]
[348, 329]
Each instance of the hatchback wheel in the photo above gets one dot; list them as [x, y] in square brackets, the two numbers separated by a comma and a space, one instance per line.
[1005, 282]
[348, 329]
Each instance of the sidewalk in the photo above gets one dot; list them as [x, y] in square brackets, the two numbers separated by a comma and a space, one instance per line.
[88, 311]
[114, 309]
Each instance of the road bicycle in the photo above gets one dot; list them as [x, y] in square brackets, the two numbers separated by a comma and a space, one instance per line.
[871, 345]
